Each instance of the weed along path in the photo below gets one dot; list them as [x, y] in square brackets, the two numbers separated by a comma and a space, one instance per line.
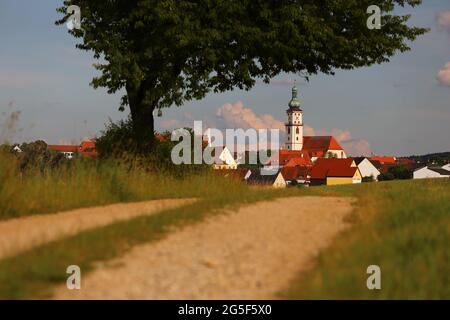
[248, 254]
[17, 235]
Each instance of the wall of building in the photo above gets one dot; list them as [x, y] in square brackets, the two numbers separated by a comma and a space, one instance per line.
[425, 173]
[367, 169]
[331, 181]
[294, 140]
[340, 154]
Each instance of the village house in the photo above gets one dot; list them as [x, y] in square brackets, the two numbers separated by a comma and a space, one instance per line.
[296, 174]
[367, 168]
[269, 180]
[85, 149]
[431, 172]
[223, 159]
[335, 172]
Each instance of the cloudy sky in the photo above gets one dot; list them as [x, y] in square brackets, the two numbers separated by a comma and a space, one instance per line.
[400, 108]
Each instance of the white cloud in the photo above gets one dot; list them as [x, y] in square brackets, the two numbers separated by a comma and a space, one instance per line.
[444, 75]
[353, 147]
[236, 115]
[443, 19]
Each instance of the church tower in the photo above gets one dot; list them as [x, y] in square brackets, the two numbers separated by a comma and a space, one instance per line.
[294, 125]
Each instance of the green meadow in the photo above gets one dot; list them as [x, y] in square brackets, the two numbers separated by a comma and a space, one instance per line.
[401, 226]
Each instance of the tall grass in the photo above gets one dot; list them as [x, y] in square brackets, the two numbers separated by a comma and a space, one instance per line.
[404, 228]
[86, 183]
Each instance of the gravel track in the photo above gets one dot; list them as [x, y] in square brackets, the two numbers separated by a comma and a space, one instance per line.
[17, 235]
[249, 254]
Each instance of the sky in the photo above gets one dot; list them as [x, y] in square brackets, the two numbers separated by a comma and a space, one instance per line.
[398, 108]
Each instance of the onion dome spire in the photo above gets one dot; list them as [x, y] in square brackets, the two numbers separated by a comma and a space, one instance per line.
[295, 101]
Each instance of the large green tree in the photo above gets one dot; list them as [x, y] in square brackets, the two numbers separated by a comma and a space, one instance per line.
[166, 52]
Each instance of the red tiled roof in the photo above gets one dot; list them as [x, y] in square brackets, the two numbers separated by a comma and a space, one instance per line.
[285, 156]
[160, 137]
[332, 167]
[384, 160]
[63, 148]
[320, 143]
[294, 173]
[293, 162]
[86, 148]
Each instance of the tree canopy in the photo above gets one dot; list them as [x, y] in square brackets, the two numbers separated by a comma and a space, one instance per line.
[167, 52]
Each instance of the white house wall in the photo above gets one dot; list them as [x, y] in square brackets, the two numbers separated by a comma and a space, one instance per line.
[367, 169]
[426, 173]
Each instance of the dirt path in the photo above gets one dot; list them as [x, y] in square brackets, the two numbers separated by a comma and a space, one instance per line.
[249, 254]
[19, 234]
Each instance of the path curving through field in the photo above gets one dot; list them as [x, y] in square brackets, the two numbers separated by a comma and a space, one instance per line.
[248, 254]
[20, 234]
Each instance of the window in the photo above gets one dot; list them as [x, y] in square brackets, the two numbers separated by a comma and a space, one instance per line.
[298, 130]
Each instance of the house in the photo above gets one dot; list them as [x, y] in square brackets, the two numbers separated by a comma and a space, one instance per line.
[323, 147]
[334, 171]
[85, 149]
[385, 160]
[68, 151]
[289, 157]
[431, 172]
[16, 149]
[367, 168]
[223, 159]
[299, 174]
[409, 164]
[446, 167]
[269, 180]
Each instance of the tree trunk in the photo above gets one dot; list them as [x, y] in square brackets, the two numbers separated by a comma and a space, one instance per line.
[143, 121]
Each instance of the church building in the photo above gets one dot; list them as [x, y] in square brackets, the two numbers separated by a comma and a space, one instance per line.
[296, 143]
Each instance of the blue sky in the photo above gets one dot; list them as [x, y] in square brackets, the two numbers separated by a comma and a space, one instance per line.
[396, 108]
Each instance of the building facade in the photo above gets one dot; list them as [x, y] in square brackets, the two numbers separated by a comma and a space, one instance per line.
[294, 124]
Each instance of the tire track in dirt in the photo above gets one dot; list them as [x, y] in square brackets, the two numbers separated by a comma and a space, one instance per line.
[248, 254]
[17, 235]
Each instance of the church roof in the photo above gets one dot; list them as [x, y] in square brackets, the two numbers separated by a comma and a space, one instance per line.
[294, 104]
[320, 143]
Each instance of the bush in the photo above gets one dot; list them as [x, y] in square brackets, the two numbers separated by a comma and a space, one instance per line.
[386, 177]
[400, 172]
[117, 143]
[368, 179]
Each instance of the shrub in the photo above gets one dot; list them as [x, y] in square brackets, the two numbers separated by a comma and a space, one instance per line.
[400, 172]
[368, 179]
[386, 177]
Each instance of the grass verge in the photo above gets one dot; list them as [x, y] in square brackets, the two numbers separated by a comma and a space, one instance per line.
[86, 183]
[404, 228]
[32, 274]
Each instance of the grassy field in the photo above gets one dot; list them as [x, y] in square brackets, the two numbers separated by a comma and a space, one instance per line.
[89, 183]
[404, 228]
[32, 274]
